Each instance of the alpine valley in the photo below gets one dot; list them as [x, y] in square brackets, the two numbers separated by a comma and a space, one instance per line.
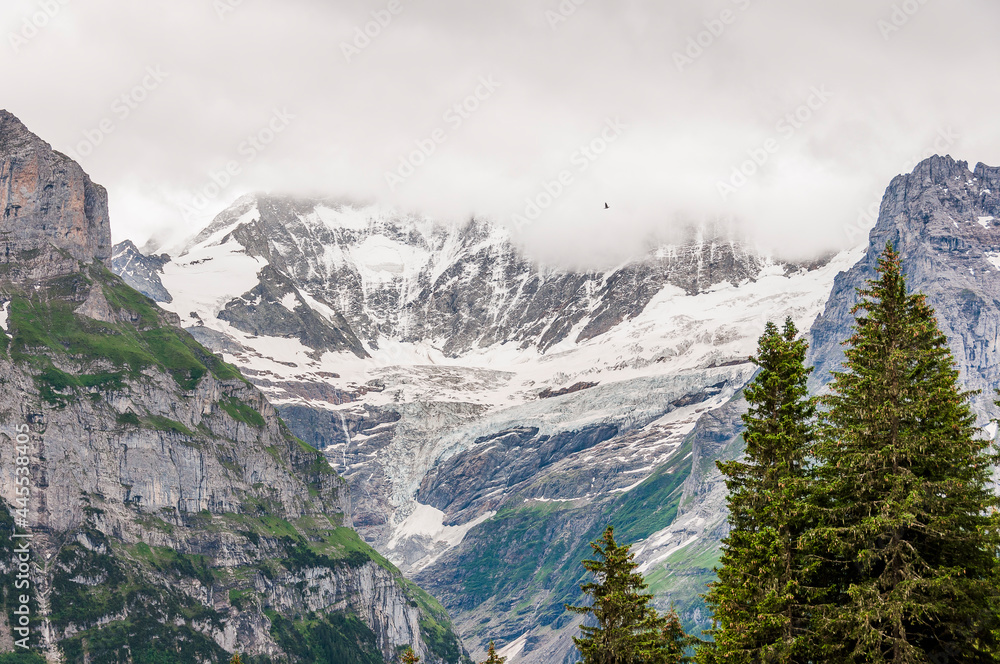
[491, 415]
[318, 416]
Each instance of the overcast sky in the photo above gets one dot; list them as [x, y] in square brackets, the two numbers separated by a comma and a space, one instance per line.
[832, 98]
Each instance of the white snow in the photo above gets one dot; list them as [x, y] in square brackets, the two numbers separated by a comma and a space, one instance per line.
[289, 301]
[206, 278]
[985, 221]
[379, 259]
[994, 258]
[427, 522]
[514, 648]
[663, 555]
[346, 216]
[677, 344]
[4, 316]
[219, 229]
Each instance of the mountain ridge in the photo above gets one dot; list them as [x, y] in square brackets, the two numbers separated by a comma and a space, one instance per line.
[172, 509]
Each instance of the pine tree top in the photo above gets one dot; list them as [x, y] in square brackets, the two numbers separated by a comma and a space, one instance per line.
[410, 657]
[492, 657]
[628, 628]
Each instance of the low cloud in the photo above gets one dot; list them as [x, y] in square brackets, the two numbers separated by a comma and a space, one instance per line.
[783, 119]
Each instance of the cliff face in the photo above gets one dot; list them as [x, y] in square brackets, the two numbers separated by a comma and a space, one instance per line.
[46, 198]
[944, 220]
[172, 510]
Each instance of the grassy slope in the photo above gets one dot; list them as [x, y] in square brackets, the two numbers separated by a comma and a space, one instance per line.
[528, 555]
[139, 581]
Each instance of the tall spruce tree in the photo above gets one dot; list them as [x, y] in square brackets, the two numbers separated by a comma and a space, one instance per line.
[492, 657]
[759, 600]
[906, 530]
[628, 630]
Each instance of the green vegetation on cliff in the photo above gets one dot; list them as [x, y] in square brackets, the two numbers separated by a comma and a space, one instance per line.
[144, 602]
[45, 327]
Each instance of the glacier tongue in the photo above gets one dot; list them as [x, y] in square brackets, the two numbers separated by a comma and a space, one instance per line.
[461, 336]
[450, 379]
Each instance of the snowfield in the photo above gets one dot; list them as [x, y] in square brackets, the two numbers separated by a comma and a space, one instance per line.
[678, 344]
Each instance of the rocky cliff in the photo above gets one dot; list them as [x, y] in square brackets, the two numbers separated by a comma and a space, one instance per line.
[944, 220]
[47, 199]
[175, 518]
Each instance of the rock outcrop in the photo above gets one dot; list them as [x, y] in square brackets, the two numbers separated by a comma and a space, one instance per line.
[944, 220]
[139, 271]
[171, 508]
[46, 198]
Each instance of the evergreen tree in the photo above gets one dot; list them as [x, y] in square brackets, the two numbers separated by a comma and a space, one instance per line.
[759, 600]
[906, 531]
[236, 659]
[673, 642]
[410, 657]
[492, 657]
[628, 631]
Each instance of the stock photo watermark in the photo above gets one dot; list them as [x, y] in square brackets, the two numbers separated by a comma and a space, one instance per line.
[714, 28]
[550, 190]
[785, 129]
[21, 561]
[224, 8]
[454, 117]
[249, 149]
[365, 34]
[33, 24]
[563, 12]
[121, 108]
[900, 15]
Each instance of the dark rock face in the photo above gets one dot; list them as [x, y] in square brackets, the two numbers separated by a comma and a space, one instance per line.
[46, 197]
[469, 287]
[140, 272]
[264, 310]
[944, 220]
[461, 485]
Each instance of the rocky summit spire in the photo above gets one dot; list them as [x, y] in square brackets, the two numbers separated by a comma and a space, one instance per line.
[47, 199]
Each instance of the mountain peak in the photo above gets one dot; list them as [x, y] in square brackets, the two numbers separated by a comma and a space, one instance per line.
[15, 138]
[939, 168]
[47, 199]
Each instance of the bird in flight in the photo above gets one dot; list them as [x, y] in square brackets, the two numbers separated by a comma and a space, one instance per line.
[606, 206]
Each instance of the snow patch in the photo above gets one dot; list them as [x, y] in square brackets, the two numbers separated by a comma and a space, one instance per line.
[985, 221]
[644, 567]
[207, 279]
[428, 523]
[514, 648]
[346, 216]
[380, 259]
[289, 301]
[4, 316]
[994, 258]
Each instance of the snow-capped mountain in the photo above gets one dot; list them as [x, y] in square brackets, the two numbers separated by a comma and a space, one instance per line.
[455, 382]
